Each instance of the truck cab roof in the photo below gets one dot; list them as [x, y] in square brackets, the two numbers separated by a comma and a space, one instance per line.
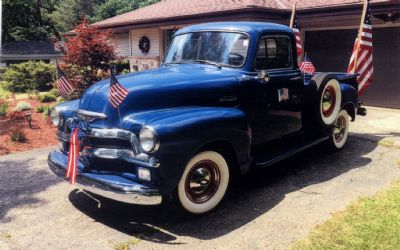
[251, 28]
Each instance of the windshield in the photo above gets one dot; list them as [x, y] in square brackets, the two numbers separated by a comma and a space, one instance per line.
[211, 47]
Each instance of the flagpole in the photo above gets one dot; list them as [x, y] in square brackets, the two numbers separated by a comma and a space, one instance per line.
[293, 14]
[360, 31]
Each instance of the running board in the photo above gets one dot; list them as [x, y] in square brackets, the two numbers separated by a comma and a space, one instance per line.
[263, 159]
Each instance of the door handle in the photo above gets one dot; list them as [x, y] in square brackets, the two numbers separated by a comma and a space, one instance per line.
[295, 78]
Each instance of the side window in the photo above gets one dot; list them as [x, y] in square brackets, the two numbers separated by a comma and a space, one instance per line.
[273, 53]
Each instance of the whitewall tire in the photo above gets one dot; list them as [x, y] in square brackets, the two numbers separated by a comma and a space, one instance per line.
[330, 101]
[204, 182]
[340, 131]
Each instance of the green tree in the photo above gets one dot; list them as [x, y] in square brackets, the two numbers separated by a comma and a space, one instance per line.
[28, 19]
[111, 8]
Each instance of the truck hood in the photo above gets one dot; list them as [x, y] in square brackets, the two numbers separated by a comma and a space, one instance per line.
[163, 88]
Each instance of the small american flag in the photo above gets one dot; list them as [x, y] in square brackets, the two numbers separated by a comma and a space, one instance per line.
[307, 66]
[361, 58]
[117, 92]
[296, 31]
[64, 86]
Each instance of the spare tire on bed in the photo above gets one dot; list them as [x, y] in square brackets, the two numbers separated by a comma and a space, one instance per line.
[323, 101]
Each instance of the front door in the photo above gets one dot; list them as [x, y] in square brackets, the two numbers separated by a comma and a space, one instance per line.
[278, 111]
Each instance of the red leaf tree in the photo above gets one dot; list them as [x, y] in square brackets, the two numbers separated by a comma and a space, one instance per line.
[86, 53]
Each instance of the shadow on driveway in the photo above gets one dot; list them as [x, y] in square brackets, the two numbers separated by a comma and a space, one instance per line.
[259, 191]
[19, 182]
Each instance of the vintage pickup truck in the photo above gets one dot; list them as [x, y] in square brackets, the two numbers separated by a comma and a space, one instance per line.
[228, 97]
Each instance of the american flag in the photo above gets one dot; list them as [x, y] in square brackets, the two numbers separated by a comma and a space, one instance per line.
[307, 66]
[296, 31]
[361, 58]
[64, 86]
[117, 92]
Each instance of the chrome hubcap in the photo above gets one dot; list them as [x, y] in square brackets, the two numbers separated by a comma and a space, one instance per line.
[202, 181]
[328, 101]
[340, 129]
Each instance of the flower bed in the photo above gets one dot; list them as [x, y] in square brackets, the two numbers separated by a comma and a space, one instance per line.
[41, 134]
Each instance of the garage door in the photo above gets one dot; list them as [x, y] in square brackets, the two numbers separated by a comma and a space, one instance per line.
[331, 50]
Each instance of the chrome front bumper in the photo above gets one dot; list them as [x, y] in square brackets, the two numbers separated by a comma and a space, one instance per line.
[115, 187]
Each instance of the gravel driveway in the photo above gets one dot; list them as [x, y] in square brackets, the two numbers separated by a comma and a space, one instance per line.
[269, 210]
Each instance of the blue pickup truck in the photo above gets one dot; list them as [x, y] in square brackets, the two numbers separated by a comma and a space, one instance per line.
[228, 97]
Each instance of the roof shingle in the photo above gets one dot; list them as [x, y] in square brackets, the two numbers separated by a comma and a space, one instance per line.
[180, 8]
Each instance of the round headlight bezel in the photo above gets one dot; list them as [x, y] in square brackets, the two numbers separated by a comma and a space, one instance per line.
[55, 117]
[148, 135]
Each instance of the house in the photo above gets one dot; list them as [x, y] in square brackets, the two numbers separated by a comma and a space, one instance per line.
[328, 32]
[21, 51]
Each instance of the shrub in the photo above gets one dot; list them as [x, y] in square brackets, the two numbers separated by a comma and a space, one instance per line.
[17, 135]
[3, 107]
[4, 94]
[22, 106]
[41, 108]
[28, 76]
[47, 98]
[54, 92]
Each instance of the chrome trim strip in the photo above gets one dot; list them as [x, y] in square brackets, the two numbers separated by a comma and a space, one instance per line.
[132, 194]
[123, 154]
[91, 114]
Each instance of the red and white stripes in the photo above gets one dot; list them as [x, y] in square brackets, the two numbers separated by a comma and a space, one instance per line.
[117, 94]
[64, 86]
[73, 156]
[361, 59]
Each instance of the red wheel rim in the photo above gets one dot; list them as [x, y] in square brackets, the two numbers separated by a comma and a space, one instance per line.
[328, 101]
[202, 181]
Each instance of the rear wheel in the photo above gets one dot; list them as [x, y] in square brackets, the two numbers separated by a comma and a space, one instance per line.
[340, 130]
[204, 182]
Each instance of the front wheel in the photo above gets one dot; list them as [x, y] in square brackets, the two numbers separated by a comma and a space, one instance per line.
[340, 131]
[204, 182]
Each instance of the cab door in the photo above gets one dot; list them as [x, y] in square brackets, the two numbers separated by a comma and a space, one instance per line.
[278, 110]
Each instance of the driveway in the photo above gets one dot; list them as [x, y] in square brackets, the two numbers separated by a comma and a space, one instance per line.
[269, 210]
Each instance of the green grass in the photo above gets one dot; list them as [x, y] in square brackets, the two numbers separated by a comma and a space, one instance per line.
[369, 223]
[126, 245]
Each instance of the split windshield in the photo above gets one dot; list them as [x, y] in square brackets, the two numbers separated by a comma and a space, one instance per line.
[211, 47]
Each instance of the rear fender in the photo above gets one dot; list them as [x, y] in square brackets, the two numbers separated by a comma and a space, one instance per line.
[349, 99]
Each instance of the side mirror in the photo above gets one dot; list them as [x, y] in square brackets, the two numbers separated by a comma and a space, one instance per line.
[263, 76]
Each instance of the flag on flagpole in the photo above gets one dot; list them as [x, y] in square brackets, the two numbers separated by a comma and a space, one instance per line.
[64, 86]
[307, 66]
[294, 24]
[117, 92]
[296, 31]
[361, 58]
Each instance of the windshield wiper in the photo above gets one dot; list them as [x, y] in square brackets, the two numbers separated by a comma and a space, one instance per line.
[219, 65]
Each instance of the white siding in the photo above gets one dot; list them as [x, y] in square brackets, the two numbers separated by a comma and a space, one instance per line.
[121, 42]
[154, 37]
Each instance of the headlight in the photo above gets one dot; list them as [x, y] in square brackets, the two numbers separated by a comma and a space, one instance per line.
[55, 117]
[148, 139]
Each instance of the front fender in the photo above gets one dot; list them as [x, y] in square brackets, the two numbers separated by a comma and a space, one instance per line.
[183, 131]
[67, 109]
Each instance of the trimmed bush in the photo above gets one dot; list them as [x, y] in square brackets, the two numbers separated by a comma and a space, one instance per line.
[54, 92]
[22, 106]
[41, 108]
[18, 135]
[47, 98]
[28, 76]
[3, 108]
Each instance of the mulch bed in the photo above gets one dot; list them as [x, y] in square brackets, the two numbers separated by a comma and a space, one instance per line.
[41, 134]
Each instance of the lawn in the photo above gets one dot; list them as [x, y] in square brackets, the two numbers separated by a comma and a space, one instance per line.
[369, 223]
